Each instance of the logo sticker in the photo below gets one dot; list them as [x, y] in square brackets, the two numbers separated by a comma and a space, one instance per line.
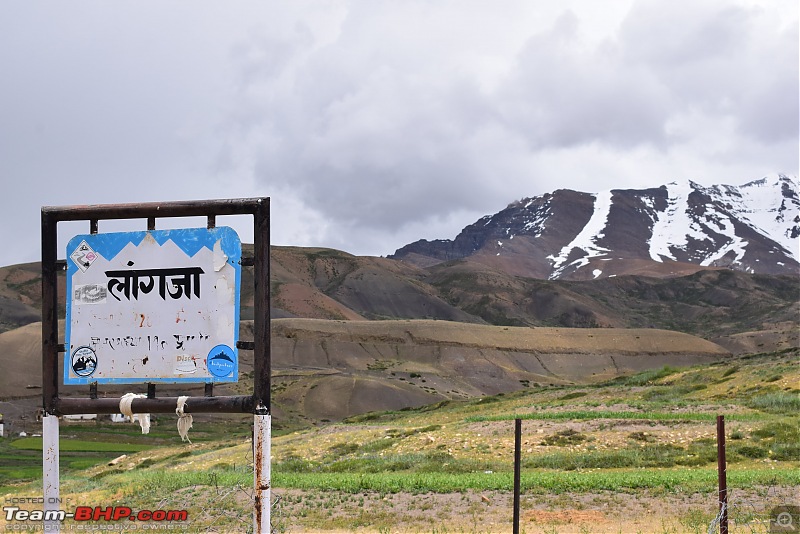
[185, 364]
[84, 361]
[83, 256]
[221, 361]
[90, 294]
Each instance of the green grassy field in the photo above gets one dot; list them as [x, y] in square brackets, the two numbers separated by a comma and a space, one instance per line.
[92, 444]
[73, 445]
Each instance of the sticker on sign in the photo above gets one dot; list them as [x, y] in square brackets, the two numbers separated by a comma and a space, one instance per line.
[156, 306]
[83, 256]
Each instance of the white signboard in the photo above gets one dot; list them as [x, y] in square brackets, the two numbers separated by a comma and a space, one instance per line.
[157, 306]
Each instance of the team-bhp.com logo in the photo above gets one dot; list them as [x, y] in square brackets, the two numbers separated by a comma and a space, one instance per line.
[96, 513]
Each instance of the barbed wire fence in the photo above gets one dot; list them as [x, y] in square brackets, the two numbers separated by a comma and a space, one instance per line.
[764, 510]
[742, 511]
[769, 509]
[227, 508]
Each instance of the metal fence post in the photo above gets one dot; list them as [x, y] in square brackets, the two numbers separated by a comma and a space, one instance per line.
[722, 475]
[517, 461]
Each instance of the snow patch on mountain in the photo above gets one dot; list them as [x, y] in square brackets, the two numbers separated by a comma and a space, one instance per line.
[587, 238]
[534, 222]
[723, 224]
[674, 227]
[769, 206]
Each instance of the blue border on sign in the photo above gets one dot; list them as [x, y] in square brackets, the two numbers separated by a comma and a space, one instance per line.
[190, 241]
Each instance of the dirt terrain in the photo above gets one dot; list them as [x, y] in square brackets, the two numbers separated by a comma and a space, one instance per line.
[330, 370]
[385, 365]
[491, 511]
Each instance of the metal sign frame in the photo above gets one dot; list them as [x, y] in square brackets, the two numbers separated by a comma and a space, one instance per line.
[257, 404]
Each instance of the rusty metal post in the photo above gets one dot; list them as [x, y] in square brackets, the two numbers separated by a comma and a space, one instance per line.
[49, 313]
[262, 368]
[262, 371]
[722, 475]
[517, 469]
[262, 437]
[50, 437]
[227, 404]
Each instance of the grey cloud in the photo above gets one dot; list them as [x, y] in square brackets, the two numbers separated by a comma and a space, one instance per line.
[564, 94]
[667, 35]
[363, 135]
[769, 108]
[380, 127]
[728, 61]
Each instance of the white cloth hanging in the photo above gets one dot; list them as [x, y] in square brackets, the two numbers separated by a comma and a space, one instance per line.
[184, 420]
[125, 408]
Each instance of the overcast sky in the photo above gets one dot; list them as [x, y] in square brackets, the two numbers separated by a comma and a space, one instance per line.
[372, 124]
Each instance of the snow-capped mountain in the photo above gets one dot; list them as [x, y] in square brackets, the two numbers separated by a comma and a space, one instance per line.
[672, 230]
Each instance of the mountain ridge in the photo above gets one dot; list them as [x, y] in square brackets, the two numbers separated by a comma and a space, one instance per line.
[673, 230]
[331, 284]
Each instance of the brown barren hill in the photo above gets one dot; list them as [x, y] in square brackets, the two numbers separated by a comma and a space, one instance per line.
[538, 339]
[331, 369]
[448, 360]
[21, 357]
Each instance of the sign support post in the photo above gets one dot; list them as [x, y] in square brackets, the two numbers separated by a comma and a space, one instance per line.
[262, 438]
[50, 471]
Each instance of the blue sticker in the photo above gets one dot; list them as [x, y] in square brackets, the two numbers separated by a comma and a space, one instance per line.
[84, 361]
[221, 361]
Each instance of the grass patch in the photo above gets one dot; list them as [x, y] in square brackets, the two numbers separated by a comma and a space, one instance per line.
[368, 417]
[573, 395]
[646, 378]
[542, 481]
[342, 449]
[565, 438]
[378, 444]
[74, 445]
[730, 370]
[779, 402]
[779, 441]
[779, 431]
[650, 456]
[156, 482]
[671, 394]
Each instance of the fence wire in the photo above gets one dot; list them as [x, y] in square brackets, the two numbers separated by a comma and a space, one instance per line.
[770, 512]
[228, 509]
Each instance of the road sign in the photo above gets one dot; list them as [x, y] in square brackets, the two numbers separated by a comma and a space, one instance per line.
[155, 306]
